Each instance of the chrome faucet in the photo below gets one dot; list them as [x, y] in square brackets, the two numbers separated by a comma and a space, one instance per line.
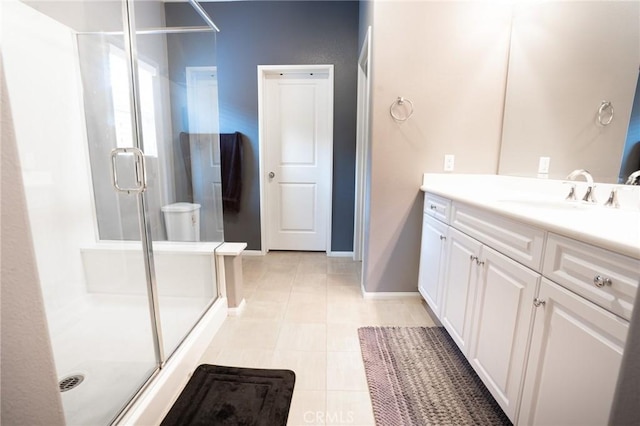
[634, 178]
[588, 196]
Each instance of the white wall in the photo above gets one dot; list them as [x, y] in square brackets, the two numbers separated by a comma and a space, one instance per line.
[450, 60]
[30, 393]
[43, 88]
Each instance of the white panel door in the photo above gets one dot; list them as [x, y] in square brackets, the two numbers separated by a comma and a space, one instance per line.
[207, 184]
[206, 181]
[502, 319]
[432, 251]
[575, 356]
[298, 149]
[459, 287]
[202, 99]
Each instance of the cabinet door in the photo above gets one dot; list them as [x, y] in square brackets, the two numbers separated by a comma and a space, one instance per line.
[576, 350]
[503, 314]
[434, 234]
[459, 287]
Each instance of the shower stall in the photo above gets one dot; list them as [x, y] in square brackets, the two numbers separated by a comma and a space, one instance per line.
[113, 109]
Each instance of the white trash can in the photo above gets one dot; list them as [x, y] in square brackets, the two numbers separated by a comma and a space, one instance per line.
[182, 221]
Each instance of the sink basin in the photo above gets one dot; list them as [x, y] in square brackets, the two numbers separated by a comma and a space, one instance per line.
[548, 204]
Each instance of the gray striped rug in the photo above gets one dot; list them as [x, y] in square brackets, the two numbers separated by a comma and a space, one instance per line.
[418, 376]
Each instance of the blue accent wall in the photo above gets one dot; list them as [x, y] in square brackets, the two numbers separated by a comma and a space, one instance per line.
[283, 33]
[631, 153]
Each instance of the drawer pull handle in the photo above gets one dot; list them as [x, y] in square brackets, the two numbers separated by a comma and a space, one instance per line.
[601, 281]
[433, 207]
[477, 260]
[538, 302]
[443, 238]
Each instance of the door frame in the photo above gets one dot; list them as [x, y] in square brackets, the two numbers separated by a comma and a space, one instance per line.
[363, 131]
[263, 72]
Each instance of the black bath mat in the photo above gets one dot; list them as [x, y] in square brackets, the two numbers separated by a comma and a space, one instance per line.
[218, 395]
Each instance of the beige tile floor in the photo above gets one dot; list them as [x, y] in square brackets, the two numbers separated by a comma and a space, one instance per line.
[303, 311]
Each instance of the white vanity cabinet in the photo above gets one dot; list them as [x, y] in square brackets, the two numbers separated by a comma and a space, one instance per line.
[501, 324]
[579, 333]
[432, 257]
[487, 310]
[541, 318]
[433, 252]
[574, 359]
[461, 276]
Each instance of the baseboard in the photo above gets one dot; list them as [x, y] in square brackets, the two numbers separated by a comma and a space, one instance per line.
[340, 254]
[237, 311]
[391, 295]
[253, 253]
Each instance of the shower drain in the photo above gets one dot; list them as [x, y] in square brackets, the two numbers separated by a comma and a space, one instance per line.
[70, 382]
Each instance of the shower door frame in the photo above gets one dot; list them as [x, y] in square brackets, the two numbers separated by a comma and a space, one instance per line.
[128, 15]
[131, 53]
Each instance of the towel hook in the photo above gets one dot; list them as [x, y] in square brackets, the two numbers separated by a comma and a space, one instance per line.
[399, 102]
[605, 105]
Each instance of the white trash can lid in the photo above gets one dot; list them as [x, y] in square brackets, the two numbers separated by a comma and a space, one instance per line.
[180, 207]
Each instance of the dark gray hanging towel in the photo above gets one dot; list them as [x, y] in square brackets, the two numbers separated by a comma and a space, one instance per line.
[185, 150]
[231, 159]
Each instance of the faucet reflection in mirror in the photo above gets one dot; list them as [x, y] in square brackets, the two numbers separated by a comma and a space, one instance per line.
[634, 178]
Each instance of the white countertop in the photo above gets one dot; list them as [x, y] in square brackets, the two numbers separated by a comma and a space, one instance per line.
[541, 203]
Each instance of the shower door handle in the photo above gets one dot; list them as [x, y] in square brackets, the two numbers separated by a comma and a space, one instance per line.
[140, 168]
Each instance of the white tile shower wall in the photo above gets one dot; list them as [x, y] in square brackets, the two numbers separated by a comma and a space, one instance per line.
[42, 73]
[118, 268]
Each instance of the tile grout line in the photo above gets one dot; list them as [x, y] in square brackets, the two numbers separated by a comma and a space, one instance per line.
[281, 319]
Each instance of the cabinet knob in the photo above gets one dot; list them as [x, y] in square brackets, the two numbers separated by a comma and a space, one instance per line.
[472, 258]
[433, 207]
[537, 302]
[601, 281]
[442, 237]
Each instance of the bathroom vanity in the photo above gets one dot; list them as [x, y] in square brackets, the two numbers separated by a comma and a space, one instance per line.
[536, 291]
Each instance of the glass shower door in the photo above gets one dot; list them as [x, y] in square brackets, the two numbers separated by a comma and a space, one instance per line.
[178, 108]
[106, 128]
[63, 85]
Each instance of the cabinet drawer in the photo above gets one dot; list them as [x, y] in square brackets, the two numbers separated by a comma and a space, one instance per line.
[520, 242]
[437, 207]
[577, 266]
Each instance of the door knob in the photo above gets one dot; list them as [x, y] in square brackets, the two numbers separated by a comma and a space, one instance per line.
[271, 175]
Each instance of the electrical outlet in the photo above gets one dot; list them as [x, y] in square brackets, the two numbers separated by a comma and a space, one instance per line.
[449, 162]
[543, 165]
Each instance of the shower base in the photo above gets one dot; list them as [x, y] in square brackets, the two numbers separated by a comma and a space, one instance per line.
[107, 338]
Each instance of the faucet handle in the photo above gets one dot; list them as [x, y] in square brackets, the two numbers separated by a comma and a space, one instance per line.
[612, 201]
[571, 196]
[589, 196]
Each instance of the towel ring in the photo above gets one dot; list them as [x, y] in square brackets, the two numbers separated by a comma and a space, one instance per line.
[399, 102]
[602, 119]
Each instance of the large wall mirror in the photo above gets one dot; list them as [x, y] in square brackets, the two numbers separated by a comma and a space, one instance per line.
[566, 58]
